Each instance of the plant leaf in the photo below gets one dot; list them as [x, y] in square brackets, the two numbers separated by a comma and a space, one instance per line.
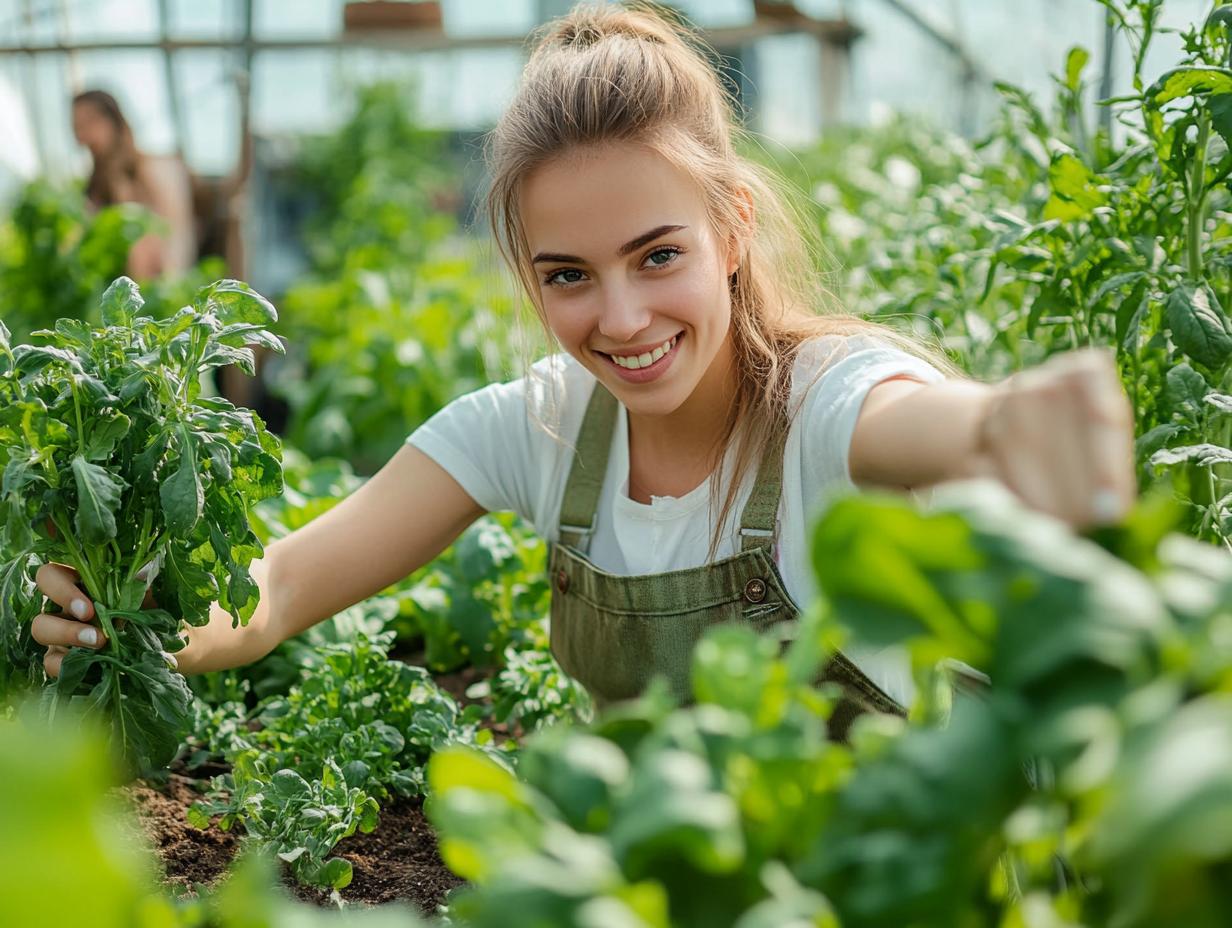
[98, 499]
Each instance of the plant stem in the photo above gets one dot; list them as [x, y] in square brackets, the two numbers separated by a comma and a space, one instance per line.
[81, 435]
[1197, 200]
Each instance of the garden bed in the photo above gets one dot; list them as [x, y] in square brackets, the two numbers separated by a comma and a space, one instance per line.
[397, 862]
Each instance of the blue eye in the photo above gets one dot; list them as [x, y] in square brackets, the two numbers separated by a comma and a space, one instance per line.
[552, 279]
[666, 249]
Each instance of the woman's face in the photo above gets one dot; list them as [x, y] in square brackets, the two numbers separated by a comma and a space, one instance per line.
[93, 129]
[632, 278]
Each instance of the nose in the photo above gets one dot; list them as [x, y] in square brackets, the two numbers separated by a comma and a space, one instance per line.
[622, 314]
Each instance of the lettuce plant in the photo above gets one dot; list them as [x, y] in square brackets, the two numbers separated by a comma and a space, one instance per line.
[116, 464]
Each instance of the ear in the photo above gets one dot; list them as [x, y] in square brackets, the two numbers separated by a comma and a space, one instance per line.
[738, 243]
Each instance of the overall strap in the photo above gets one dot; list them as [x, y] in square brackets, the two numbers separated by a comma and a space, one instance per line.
[759, 521]
[581, 500]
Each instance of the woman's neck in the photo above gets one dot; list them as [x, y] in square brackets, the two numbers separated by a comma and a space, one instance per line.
[671, 455]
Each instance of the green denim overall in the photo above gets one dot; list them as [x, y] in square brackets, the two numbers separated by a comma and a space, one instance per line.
[612, 633]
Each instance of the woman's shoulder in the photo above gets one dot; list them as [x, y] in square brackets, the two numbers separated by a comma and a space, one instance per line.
[554, 390]
[821, 351]
[841, 362]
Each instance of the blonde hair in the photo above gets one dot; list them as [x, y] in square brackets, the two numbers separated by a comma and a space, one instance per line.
[605, 73]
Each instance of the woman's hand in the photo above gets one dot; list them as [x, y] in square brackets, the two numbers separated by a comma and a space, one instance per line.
[1061, 437]
[77, 626]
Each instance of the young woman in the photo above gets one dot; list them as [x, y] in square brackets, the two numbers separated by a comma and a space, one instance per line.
[701, 410]
[121, 173]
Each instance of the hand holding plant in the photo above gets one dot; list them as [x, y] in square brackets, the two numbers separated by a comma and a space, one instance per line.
[105, 436]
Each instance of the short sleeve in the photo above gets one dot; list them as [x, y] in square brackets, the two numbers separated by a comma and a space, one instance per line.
[849, 368]
[506, 444]
[480, 440]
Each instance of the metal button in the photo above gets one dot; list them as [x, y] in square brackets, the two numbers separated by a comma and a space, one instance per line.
[755, 590]
[562, 580]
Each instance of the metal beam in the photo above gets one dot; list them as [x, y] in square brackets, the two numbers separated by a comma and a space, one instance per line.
[40, 142]
[839, 30]
[173, 85]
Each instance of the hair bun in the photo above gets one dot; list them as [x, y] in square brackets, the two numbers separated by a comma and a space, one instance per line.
[590, 23]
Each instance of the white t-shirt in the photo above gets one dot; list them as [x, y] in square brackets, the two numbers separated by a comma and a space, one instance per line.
[494, 443]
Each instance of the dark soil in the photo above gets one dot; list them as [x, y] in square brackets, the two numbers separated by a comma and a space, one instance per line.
[188, 856]
[397, 862]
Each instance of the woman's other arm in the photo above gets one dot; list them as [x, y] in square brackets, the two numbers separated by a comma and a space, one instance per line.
[1060, 436]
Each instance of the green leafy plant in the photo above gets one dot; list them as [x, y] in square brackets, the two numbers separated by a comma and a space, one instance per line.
[1044, 798]
[115, 464]
[355, 729]
[401, 313]
[59, 803]
[531, 691]
[55, 259]
[485, 593]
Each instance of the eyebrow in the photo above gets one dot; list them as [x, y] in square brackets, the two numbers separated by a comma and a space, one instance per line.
[624, 250]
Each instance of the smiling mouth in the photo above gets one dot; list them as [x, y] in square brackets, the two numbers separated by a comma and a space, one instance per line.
[634, 362]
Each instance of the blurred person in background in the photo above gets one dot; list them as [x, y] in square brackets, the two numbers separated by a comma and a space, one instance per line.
[122, 173]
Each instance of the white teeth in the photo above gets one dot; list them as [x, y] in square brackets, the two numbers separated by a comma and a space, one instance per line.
[634, 362]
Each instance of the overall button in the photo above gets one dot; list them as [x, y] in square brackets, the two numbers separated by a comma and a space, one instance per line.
[562, 580]
[755, 590]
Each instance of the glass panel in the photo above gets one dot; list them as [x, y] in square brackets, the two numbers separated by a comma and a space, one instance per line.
[109, 19]
[137, 79]
[467, 18]
[33, 23]
[209, 104]
[204, 19]
[713, 14]
[11, 32]
[482, 82]
[18, 155]
[47, 96]
[787, 94]
[294, 91]
[282, 19]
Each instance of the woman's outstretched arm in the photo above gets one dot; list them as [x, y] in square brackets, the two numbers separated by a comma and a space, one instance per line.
[1060, 436]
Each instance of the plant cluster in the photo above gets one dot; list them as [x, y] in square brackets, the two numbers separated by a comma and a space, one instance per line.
[55, 260]
[355, 729]
[400, 314]
[58, 804]
[1049, 234]
[115, 464]
[1050, 798]
[485, 593]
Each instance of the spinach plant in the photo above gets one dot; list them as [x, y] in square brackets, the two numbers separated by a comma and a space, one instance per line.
[115, 463]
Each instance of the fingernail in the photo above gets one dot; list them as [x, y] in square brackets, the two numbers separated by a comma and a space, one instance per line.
[80, 608]
[88, 636]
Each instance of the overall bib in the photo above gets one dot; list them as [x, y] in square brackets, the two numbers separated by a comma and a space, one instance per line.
[613, 633]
